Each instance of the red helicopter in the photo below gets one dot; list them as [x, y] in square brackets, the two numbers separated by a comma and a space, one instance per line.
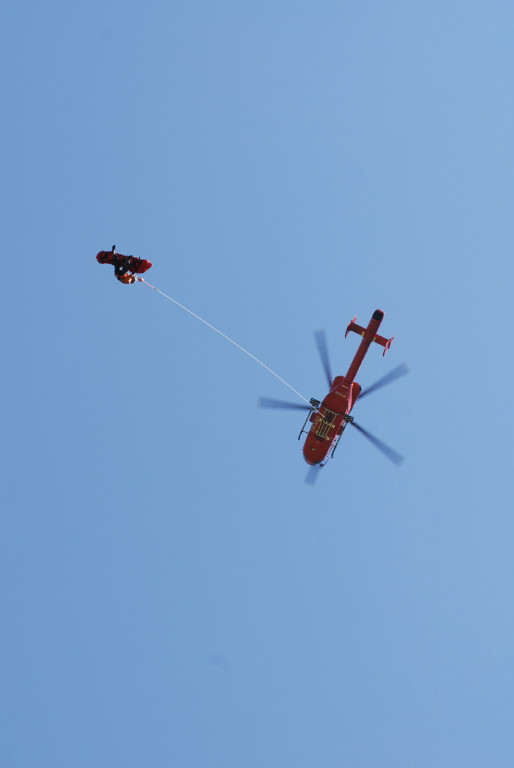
[330, 417]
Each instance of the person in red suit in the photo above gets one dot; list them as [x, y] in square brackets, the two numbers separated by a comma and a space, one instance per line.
[125, 267]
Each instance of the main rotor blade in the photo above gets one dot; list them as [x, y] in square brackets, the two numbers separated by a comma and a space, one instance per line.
[386, 449]
[401, 370]
[312, 474]
[267, 402]
[321, 342]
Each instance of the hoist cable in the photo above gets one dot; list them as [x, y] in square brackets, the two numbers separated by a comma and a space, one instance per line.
[227, 338]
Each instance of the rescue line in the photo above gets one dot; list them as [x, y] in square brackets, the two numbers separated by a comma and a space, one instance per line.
[141, 280]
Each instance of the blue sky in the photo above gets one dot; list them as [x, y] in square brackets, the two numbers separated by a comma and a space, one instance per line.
[173, 594]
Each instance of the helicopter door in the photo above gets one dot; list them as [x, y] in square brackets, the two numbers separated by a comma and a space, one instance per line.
[325, 424]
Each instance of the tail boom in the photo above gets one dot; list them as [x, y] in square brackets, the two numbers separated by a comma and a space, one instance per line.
[369, 335]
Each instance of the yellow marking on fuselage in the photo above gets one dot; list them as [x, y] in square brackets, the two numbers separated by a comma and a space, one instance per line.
[326, 424]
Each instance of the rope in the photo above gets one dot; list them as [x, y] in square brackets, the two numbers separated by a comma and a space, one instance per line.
[227, 338]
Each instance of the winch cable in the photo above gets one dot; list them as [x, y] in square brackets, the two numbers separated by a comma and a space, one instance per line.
[228, 339]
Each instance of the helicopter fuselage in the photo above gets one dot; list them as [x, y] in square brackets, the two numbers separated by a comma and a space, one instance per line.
[330, 417]
[329, 420]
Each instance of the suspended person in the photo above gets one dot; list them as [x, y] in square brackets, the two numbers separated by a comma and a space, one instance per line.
[124, 266]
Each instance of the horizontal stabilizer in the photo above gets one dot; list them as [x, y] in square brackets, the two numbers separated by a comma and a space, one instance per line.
[386, 343]
[355, 328]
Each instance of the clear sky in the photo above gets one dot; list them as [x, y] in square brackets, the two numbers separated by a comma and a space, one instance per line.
[172, 592]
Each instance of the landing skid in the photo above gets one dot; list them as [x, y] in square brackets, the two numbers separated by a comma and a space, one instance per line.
[347, 419]
[315, 405]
